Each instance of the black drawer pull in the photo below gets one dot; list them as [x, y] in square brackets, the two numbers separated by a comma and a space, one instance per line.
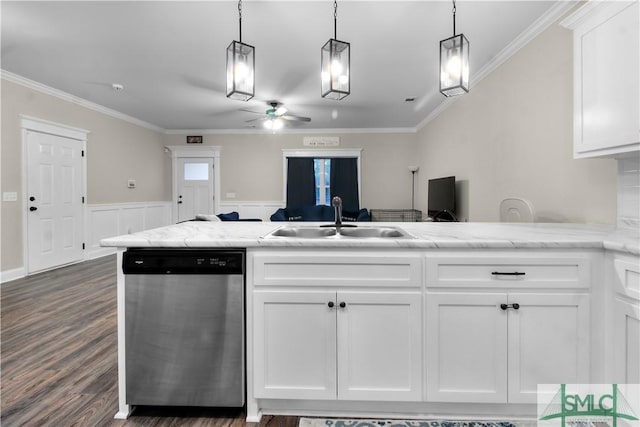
[507, 273]
[515, 306]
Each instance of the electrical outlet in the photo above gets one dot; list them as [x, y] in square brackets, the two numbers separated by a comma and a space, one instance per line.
[9, 196]
[131, 183]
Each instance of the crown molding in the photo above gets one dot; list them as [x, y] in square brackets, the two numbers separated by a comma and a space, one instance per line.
[286, 131]
[47, 90]
[551, 16]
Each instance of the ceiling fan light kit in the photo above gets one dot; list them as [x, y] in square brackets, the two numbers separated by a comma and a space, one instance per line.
[240, 66]
[335, 61]
[454, 63]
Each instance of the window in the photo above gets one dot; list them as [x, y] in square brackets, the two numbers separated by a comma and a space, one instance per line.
[314, 176]
[322, 173]
[196, 171]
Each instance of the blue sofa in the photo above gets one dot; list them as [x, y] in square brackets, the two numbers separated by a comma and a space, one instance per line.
[317, 213]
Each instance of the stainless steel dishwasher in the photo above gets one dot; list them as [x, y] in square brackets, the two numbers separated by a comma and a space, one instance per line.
[184, 327]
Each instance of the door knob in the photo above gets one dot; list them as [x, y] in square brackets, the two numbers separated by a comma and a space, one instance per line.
[33, 208]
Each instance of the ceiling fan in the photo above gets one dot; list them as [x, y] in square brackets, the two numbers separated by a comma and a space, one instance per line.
[275, 116]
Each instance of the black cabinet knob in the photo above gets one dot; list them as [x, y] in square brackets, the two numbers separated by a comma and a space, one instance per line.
[515, 305]
[33, 208]
[330, 304]
[343, 304]
[32, 199]
[504, 306]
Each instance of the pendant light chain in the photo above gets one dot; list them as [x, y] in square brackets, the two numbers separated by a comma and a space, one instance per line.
[240, 19]
[454, 17]
[335, 19]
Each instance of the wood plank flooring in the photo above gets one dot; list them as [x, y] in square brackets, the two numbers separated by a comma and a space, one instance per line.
[58, 367]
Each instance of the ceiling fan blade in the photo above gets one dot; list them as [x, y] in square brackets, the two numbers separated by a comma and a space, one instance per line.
[296, 118]
[250, 111]
[256, 119]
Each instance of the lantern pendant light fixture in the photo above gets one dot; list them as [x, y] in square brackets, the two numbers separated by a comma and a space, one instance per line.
[454, 62]
[335, 58]
[240, 66]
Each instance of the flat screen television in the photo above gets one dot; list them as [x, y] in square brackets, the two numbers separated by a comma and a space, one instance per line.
[442, 197]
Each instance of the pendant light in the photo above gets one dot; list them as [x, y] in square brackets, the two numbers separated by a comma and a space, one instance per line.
[240, 66]
[454, 62]
[335, 61]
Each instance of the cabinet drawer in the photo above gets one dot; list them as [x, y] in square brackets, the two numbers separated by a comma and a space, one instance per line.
[508, 272]
[316, 269]
[627, 277]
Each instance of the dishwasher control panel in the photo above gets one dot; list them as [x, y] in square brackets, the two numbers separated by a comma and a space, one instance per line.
[183, 261]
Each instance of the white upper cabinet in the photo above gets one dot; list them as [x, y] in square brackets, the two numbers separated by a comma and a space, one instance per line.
[606, 86]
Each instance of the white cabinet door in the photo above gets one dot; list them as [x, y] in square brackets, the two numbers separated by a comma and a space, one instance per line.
[606, 83]
[626, 344]
[548, 342]
[294, 344]
[466, 347]
[379, 346]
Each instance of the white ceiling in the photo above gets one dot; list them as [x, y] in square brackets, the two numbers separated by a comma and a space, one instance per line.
[170, 55]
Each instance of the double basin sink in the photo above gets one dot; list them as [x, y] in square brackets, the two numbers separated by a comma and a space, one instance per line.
[319, 232]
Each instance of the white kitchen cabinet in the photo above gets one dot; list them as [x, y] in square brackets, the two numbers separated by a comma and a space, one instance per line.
[338, 345]
[294, 345]
[548, 343]
[466, 347]
[485, 353]
[606, 70]
[626, 319]
[379, 346]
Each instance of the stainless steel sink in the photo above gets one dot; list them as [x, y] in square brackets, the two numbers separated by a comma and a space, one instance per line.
[304, 232]
[317, 232]
[365, 232]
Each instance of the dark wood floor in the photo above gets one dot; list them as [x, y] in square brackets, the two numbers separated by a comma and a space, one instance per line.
[58, 335]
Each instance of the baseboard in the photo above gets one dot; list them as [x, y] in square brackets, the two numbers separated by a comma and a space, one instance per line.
[100, 252]
[9, 275]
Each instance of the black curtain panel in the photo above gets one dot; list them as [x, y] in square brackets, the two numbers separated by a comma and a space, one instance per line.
[344, 181]
[301, 182]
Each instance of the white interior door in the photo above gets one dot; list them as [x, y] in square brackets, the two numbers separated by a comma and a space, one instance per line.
[54, 200]
[195, 187]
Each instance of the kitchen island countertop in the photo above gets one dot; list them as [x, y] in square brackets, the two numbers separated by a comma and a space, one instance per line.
[426, 235]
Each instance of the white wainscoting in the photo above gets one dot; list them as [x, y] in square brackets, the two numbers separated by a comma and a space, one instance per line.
[261, 210]
[110, 220]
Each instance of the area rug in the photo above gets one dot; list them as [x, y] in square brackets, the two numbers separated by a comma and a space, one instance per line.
[345, 422]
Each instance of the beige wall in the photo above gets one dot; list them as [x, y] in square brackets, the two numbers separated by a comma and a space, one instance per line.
[251, 165]
[116, 151]
[511, 136]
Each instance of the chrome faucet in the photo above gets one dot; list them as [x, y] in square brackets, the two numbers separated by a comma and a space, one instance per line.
[336, 202]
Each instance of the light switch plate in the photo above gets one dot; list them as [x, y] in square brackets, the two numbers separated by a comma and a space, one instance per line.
[9, 196]
[131, 183]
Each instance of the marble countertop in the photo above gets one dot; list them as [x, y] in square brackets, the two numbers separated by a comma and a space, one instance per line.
[197, 234]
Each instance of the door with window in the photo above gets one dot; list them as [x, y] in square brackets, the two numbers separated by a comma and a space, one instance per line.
[54, 191]
[195, 187]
